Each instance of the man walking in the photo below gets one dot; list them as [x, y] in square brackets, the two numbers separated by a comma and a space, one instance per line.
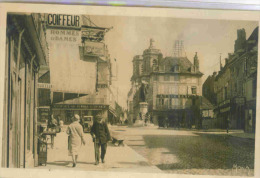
[101, 136]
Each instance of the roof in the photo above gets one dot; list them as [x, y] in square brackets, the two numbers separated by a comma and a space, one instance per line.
[205, 103]
[254, 35]
[183, 62]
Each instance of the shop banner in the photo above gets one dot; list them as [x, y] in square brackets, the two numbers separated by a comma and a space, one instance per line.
[67, 72]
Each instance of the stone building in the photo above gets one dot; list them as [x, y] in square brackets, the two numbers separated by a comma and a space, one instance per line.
[172, 86]
[235, 85]
[208, 88]
[26, 51]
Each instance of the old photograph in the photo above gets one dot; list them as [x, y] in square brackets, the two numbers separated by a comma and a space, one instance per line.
[141, 94]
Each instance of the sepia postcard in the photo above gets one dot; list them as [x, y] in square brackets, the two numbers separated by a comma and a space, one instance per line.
[128, 91]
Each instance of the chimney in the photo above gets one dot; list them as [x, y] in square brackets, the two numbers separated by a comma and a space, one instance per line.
[196, 62]
[220, 63]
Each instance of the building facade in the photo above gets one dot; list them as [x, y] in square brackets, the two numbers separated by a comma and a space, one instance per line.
[26, 51]
[169, 85]
[208, 88]
[93, 50]
[235, 85]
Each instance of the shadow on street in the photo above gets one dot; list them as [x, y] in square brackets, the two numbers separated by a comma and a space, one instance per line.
[207, 151]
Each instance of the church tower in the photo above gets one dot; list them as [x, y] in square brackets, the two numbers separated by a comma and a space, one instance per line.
[151, 58]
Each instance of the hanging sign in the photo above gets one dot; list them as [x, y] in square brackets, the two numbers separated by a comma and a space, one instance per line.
[94, 49]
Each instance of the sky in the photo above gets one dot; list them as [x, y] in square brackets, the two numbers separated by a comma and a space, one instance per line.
[130, 36]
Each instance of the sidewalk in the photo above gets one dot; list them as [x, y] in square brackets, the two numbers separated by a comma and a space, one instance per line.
[234, 133]
[122, 159]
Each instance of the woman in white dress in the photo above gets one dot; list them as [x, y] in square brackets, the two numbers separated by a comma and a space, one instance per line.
[76, 138]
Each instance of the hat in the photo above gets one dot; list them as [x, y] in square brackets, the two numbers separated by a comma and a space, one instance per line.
[76, 117]
[98, 116]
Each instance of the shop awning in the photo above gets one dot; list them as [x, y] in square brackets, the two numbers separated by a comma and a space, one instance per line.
[112, 111]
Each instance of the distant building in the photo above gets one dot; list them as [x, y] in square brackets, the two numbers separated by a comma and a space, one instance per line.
[235, 85]
[208, 89]
[172, 86]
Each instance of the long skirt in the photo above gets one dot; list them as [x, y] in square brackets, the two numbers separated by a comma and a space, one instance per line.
[74, 145]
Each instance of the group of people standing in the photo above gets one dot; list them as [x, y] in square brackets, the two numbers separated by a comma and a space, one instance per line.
[100, 135]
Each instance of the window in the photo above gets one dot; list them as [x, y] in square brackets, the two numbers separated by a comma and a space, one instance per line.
[166, 78]
[170, 101]
[225, 93]
[154, 62]
[243, 89]
[235, 87]
[194, 90]
[155, 78]
[180, 101]
[176, 78]
[161, 101]
[254, 88]
[177, 68]
[193, 101]
[245, 64]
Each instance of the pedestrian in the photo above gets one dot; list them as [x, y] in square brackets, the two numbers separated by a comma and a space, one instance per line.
[61, 125]
[76, 138]
[228, 122]
[52, 124]
[101, 136]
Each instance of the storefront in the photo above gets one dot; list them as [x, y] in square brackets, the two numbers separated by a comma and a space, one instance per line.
[238, 112]
[25, 52]
[250, 116]
[223, 114]
[66, 111]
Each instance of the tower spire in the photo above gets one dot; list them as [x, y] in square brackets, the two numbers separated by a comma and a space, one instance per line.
[151, 44]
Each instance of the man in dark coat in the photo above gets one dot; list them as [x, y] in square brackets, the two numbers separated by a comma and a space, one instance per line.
[101, 136]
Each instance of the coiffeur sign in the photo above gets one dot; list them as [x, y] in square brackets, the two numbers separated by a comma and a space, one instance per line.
[63, 20]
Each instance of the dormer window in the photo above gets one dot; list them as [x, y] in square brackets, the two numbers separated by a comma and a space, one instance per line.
[177, 68]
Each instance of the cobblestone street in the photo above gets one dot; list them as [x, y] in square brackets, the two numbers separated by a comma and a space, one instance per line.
[193, 152]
